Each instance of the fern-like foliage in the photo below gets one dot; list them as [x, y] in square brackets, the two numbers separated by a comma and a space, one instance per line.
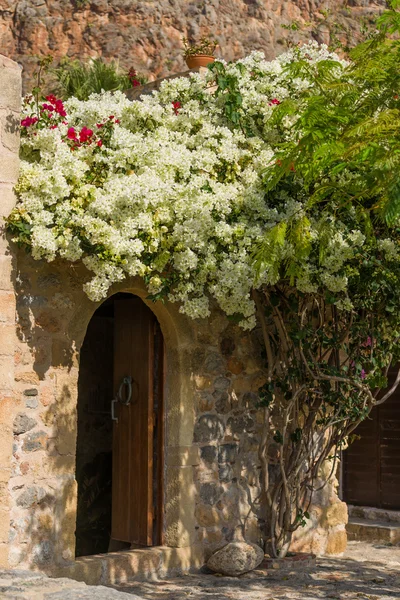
[346, 143]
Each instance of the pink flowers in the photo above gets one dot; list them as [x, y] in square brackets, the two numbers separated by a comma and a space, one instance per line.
[71, 133]
[274, 102]
[28, 121]
[367, 343]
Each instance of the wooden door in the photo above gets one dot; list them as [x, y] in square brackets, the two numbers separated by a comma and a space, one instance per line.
[371, 474]
[137, 441]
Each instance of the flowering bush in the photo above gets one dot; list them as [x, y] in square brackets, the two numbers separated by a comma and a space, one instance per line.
[166, 189]
[202, 190]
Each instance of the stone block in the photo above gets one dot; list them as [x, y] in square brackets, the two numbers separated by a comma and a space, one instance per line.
[66, 439]
[119, 567]
[179, 507]
[9, 127]
[9, 166]
[337, 541]
[31, 403]
[4, 526]
[7, 199]
[181, 560]
[6, 442]
[4, 474]
[207, 516]
[8, 339]
[35, 441]
[7, 307]
[209, 454]
[335, 514]
[58, 465]
[210, 493]
[23, 423]
[205, 402]
[31, 496]
[183, 456]
[11, 85]
[6, 373]
[235, 366]
[209, 428]
[86, 568]
[4, 549]
[6, 281]
[27, 377]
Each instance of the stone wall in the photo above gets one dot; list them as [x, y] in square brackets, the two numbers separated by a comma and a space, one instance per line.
[212, 423]
[10, 101]
[147, 34]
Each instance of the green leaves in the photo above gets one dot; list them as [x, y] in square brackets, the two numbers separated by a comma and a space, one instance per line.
[228, 91]
[269, 254]
[348, 127]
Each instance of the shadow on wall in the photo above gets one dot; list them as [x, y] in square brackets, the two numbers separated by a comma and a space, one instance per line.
[43, 511]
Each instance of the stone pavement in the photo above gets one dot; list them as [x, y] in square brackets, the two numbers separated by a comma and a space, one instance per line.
[28, 585]
[366, 571]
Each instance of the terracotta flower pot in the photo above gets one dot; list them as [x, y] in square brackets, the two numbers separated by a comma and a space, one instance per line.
[199, 60]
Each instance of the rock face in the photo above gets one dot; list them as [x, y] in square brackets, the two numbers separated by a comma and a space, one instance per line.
[236, 558]
[147, 34]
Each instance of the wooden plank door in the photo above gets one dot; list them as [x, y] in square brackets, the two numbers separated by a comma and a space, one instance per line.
[133, 433]
[371, 475]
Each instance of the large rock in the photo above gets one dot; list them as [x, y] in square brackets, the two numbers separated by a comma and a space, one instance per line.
[236, 558]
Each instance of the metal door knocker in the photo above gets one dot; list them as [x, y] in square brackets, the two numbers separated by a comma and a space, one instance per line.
[121, 396]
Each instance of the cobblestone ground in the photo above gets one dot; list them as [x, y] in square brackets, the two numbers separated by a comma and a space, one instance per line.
[369, 571]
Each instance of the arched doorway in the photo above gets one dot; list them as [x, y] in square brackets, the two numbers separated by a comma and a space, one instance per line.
[119, 458]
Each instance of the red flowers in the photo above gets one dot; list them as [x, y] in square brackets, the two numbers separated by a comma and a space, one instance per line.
[177, 105]
[55, 105]
[85, 135]
[132, 78]
[28, 121]
[274, 102]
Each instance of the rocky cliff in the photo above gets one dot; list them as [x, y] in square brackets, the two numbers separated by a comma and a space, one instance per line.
[147, 34]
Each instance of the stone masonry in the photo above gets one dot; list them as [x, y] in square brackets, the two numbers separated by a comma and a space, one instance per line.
[213, 374]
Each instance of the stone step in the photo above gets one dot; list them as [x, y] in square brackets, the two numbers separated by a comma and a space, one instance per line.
[364, 530]
[128, 565]
[370, 513]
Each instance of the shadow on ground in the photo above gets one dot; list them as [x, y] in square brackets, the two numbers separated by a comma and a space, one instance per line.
[376, 578]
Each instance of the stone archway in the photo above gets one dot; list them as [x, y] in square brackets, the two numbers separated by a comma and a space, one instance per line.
[58, 312]
[178, 474]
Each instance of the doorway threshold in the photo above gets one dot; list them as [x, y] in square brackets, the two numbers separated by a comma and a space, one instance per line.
[128, 565]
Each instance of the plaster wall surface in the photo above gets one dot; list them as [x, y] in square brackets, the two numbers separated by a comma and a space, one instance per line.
[213, 370]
